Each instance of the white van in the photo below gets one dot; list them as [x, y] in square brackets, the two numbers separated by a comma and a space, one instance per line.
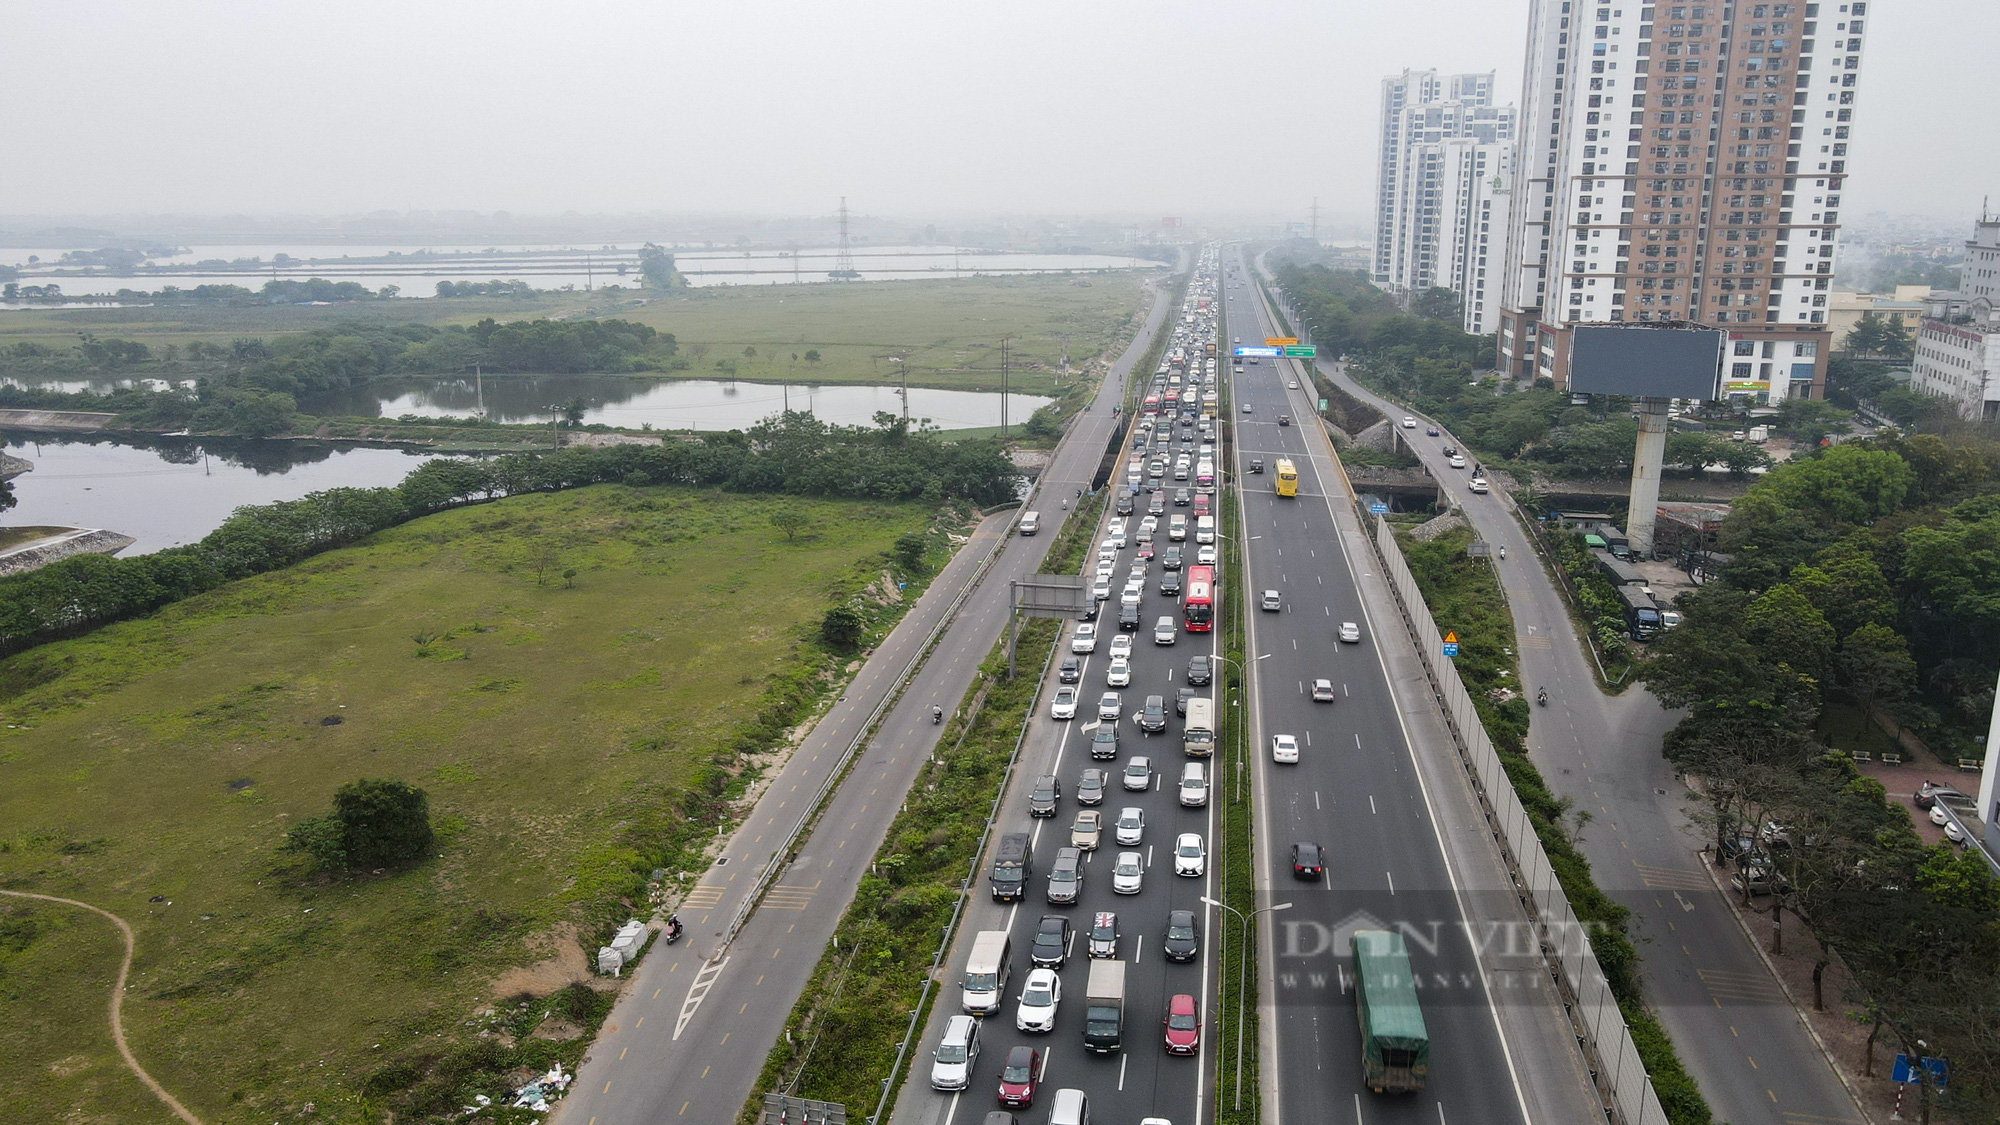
[1204, 529]
[1194, 785]
[1031, 522]
[986, 972]
[1177, 528]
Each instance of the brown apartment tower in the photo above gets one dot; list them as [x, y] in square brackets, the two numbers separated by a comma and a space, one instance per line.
[1682, 162]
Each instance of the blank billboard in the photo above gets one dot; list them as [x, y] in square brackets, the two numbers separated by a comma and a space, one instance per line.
[1644, 362]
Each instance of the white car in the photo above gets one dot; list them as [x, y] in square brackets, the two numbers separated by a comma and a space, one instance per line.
[1039, 998]
[1104, 572]
[1458, 461]
[1477, 484]
[1063, 706]
[1084, 640]
[1149, 525]
[1115, 536]
[1294, 384]
[1109, 706]
[1101, 589]
[1189, 859]
[1131, 827]
[1121, 646]
[1138, 774]
[1409, 423]
[1127, 875]
[1284, 748]
[1119, 674]
[1205, 555]
[1133, 594]
[1350, 633]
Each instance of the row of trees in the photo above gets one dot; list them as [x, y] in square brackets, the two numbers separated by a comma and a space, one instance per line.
[794, 454]
[1865, 577]
[277, 291]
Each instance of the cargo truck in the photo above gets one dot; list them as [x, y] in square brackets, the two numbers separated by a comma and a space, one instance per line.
[1104, 1007]
[1642, 617]
[1395, 1045]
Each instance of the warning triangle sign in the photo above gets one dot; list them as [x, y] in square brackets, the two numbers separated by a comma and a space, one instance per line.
[1450, 638]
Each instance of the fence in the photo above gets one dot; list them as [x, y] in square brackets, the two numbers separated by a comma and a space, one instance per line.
[1620, 1076]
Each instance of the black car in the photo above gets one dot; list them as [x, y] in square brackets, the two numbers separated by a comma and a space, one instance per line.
[1090, 611]
[1124, 505]
[1128, 617]
[1257, 465]
[1200, 670]
[1183, 942]
[1157, 506]
[1051, 946]
[1181, 697]
[1308, 862]
[1170, 583]
[1182, 498]
[1172, 559]
[1070, 670]
[1090, 790]
[1451, 451]
[1043, 797]
[1104, 742]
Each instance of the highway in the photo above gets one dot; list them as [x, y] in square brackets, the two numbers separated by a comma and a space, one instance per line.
[1378, 785]
[1736, 1031]
[1141, 1080]
[687, 1039]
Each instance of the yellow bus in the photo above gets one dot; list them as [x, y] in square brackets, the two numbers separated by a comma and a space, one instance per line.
[1288, 477]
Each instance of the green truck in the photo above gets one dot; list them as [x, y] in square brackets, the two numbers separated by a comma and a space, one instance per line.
[1395, 1046]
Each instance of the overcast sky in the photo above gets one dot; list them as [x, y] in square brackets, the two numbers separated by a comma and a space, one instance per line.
[914, 109]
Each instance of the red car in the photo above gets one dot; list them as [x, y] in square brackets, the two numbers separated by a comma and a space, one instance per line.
[1201, 505]
[1183, 1025]
[1018, 1077]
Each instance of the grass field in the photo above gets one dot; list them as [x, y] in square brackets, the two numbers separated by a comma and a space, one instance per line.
[950, 331]
[566, 735]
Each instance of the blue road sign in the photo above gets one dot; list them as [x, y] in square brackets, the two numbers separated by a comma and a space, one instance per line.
[1451, 648]
[1940, 1071]
[1265, 353]
[1379, 508]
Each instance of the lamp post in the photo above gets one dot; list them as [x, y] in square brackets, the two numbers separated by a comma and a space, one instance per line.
[1242, 982]
[1237, 797]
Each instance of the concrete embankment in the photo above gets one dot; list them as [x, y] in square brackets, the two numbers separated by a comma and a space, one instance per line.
[54, 421]
[11, 467]
[76, 541]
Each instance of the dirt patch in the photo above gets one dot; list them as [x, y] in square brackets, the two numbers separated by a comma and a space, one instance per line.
[63, 1068]
[563, 964]
[558, 1030]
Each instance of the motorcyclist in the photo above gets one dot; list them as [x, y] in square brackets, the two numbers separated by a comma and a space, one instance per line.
[937, 714]
[673, 926]
[1503, 553]
[1542, 697]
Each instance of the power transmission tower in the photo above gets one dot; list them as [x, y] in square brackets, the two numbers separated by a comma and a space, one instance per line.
[843, 261]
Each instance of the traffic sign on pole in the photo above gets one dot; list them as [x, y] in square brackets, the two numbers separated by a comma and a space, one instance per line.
[1451, 643]
[1301, 351]
[1262, 353]
[1281, 341]
[1379, 508]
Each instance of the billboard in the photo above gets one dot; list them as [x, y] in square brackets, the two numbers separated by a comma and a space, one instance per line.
[1645, 362]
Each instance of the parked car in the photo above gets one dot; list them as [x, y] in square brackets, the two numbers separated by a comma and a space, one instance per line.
[1189, 856]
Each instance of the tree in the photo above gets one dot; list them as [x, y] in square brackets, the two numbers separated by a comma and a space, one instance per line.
[1438, 304]
[7, 499]
[911, 549]
[812, 355]
[375, 823]
[656, 267]
[790, 519]
[750, 352]
[573, 412]
[841, 627]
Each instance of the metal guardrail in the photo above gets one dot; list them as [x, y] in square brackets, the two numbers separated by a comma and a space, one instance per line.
[1620, 1075]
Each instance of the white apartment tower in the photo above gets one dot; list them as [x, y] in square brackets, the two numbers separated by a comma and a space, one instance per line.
[1958, 345]
[1443, 140]
[1682, 162]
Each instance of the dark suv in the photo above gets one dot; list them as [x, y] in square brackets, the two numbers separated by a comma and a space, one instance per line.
[1051, 946]
[1199, 671]
[1183, 942]
[1170, 584]
[1043, 797]
[1104, 741]
[1070, 670]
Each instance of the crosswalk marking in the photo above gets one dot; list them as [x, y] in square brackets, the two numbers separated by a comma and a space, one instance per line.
[1536, 642]
[784, 897]
[704, 898]
[1726, 984]
[1673, 878]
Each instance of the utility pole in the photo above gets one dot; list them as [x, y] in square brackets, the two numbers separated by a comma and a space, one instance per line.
[1003, 388]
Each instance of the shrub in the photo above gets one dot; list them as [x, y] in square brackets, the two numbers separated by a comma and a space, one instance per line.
[375, 822]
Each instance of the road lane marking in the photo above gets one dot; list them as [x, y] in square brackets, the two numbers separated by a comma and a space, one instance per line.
[697, 992]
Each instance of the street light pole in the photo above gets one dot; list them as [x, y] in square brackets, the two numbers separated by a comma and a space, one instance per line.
[1242, 980]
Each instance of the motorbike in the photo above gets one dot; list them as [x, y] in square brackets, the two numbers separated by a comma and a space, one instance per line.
[937, 715]
[1542, 698]
[1503, 554]
[674, 929]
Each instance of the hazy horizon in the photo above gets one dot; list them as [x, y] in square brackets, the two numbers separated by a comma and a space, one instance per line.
[778, 109]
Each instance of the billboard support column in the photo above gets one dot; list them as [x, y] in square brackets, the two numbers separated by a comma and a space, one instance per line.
[1647, 457]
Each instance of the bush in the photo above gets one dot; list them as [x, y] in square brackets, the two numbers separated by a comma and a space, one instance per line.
[376, 822]
[841, 627]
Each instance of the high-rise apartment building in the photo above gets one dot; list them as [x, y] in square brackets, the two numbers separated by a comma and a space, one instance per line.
[1443, 144]
[1958, 343]
[1682, 162]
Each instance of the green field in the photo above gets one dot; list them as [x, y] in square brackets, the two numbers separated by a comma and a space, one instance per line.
[950, 331]
[568, 737]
